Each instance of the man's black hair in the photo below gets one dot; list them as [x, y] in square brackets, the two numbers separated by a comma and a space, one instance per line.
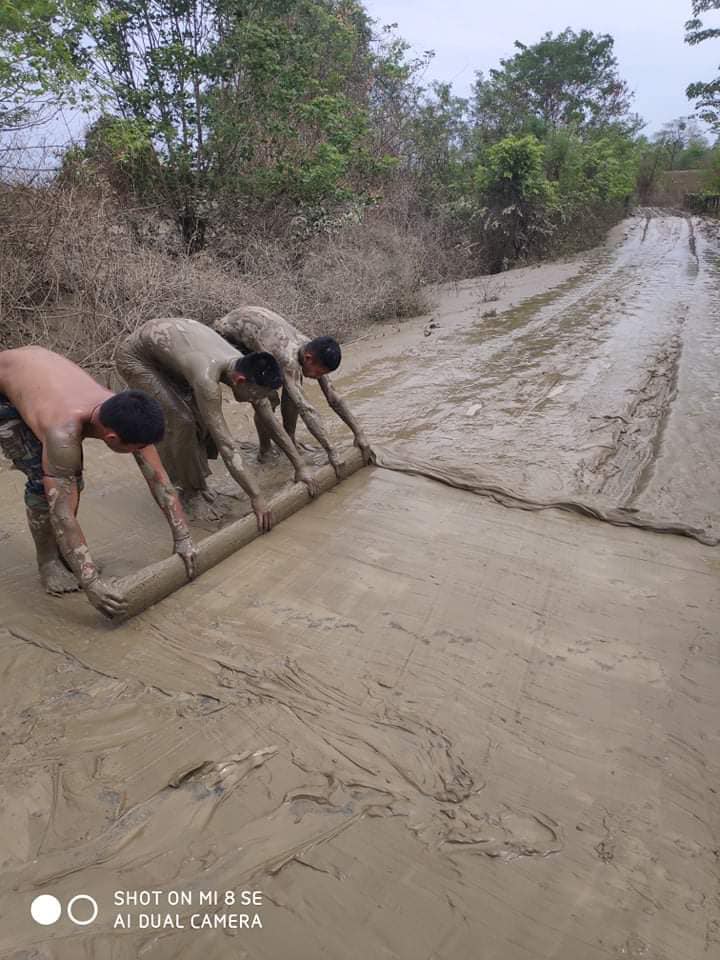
[325, 351]
[260, 368]
[134, 416]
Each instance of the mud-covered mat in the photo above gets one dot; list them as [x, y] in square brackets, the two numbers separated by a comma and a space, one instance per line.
[416, 723]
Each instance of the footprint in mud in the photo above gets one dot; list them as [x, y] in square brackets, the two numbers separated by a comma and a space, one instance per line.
[505, 835]
[389, 750]
[636, 949]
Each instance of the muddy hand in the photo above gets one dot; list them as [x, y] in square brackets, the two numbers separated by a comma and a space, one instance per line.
[304, 476]
[336, 463]
[187, 551]
[106, 598]
[263, 514]
[365, 449]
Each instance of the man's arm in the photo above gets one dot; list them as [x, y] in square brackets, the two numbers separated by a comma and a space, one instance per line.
[311, 421]
[278, 434]
[210, 407]
[341, 409]
[166, 497]
[62, 495]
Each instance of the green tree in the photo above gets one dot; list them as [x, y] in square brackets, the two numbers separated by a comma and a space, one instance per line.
[232, 98]
[149, 64]
[515, 197]
[705, 94]
[438, 150]
[591, 175]
[683, 142]
[568, 80]
[290, 108]
[40, 57]
[395, 94]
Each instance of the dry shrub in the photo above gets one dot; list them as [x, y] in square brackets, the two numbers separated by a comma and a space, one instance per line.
[78, 272]
[74, 278]
[364, 273]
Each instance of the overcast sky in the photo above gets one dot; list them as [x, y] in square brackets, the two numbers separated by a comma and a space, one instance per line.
[470, 35]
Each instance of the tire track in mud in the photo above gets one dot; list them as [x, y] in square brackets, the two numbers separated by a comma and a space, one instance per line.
[564, 398]
[623, 469]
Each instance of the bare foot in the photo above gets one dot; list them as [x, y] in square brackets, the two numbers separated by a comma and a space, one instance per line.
[265, 455]
[56, 578]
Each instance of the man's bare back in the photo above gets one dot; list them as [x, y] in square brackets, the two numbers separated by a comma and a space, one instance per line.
[55, 398]
[189, 350]
[256, 328]
[175, 352]
[48, 406]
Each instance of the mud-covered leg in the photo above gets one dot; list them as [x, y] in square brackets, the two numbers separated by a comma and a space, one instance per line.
[55, 577]
[264, 435]
[289, 419]
[264, 438]
[289, 416]
[20, 445]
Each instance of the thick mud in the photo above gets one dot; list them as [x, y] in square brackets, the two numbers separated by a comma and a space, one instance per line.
[601, 388]
[425, 724]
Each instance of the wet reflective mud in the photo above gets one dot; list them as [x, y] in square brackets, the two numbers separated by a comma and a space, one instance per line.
[426, 724]
[601, 389]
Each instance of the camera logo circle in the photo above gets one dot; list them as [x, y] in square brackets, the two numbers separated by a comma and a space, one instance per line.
[47, 909]
[93, 906]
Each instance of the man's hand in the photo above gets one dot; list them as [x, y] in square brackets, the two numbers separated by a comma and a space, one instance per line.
[105, 598]
[187, 551]
[365, 449]
[336, 463]
[304, 476]
[263, 514]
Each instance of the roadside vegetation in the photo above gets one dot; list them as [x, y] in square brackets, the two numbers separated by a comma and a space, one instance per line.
[292, 153]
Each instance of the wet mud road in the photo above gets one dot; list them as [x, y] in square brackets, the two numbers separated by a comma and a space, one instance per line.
[426, 724]
[601, 388]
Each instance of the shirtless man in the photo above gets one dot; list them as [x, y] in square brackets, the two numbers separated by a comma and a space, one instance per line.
[255, 328]
[182, 363]
[48, 406]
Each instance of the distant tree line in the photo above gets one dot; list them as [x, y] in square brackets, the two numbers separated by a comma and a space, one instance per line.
[286, 109]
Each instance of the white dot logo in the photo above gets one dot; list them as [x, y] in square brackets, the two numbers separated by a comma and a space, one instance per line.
[93, 909]
[45, 909]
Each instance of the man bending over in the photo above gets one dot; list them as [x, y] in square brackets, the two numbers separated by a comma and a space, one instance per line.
[48, 406]
[255, 328]
[182, 363]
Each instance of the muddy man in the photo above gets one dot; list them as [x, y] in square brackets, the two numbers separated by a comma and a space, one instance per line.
[48, 406]
[182, 363]
[255, 328]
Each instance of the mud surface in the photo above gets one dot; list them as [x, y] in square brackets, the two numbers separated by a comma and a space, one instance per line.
[603, 387]
[424, 723]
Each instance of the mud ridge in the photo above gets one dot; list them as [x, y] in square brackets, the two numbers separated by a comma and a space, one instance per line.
[648, 218]
[464, 479]
[401, 751]
[624, 469]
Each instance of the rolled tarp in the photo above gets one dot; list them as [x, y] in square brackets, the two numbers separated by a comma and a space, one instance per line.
[157, 581]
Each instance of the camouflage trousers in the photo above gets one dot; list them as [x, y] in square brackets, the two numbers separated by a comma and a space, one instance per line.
[22, 447]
